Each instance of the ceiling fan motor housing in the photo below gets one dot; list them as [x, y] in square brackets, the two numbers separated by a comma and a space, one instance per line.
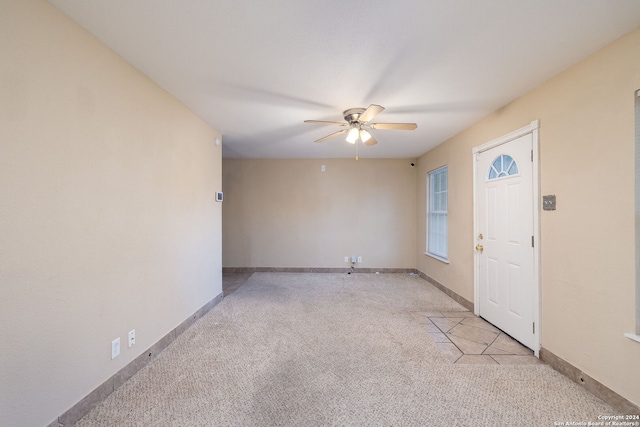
[353, 114]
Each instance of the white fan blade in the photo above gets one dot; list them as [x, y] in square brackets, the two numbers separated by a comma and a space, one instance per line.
[372, 111]
[340, 132]
[394, 126]
[323, 122]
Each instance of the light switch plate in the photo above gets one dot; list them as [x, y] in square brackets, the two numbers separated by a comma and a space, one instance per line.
[549, 202]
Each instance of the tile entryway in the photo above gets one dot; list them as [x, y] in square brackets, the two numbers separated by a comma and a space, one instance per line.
[468, 339]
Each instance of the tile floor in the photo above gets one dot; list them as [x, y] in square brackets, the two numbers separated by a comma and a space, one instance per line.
[465, 338]
[462, 336]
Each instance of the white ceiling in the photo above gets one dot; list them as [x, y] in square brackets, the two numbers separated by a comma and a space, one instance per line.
[255, 69]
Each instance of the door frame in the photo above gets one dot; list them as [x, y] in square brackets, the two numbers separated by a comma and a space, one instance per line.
[533, 129]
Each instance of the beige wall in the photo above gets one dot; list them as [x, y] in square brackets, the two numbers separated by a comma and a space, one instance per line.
[587, 160]
[107, 219]
[287, 213]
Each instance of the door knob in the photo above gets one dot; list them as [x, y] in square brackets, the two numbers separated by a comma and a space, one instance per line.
[479, 248]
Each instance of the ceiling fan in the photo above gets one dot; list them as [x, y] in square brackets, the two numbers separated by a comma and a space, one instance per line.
[358, 125]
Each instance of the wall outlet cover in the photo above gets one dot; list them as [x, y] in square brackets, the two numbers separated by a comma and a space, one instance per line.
[115, 348]
[132, 338]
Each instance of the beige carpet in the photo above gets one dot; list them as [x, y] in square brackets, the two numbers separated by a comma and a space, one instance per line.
[288, 349]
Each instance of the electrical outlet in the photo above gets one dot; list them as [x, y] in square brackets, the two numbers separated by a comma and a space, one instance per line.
[359, 259]
[115, 348]
[354, 259]
[132, 338]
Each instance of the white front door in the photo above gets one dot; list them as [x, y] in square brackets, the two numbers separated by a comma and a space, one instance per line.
[505, 255]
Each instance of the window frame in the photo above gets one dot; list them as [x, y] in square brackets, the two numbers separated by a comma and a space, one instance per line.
[636, 334]
[431, 193]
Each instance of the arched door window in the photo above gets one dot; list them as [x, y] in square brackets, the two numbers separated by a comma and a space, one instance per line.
[503, 165]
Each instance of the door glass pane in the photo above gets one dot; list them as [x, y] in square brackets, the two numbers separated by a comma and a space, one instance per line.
[503, 165]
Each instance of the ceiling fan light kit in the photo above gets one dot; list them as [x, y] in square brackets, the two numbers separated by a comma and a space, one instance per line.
[353, 135]
[358, 126]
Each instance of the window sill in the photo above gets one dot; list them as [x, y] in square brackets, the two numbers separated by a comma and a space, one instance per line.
[444, 260]
[633, 337]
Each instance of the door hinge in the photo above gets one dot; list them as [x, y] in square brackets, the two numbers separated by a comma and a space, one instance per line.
[532, 245]
[532, 155]
[534, 327]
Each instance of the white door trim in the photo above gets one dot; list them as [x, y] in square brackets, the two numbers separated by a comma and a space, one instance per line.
[533, 129]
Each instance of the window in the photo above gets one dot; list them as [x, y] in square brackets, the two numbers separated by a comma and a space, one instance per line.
[503, 165]
[437, 214]
[636, 335]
